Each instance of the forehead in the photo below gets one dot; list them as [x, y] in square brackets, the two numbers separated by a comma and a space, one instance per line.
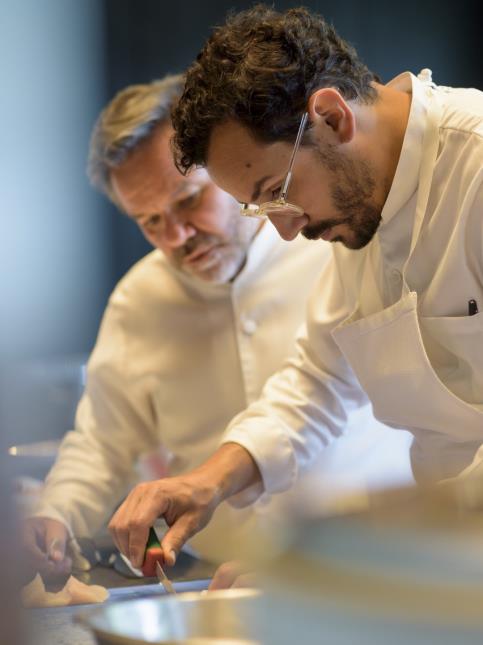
[149, 174]
[237, 162]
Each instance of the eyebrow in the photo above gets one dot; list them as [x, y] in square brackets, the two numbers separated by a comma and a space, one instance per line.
[136, 217]
[257, 187]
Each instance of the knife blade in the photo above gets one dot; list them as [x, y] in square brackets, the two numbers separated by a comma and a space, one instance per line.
[164, 580]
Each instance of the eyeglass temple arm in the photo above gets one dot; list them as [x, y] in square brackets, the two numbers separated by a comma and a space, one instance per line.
[288, 178]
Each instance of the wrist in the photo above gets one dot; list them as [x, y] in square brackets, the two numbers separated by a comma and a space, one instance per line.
[228, 471]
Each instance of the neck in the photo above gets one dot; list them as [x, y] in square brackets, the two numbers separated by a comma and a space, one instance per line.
[382, 126]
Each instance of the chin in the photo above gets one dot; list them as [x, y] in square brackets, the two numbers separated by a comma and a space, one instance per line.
[352, 242]
[218, 274]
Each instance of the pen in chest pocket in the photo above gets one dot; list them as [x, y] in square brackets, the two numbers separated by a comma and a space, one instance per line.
[472, 307]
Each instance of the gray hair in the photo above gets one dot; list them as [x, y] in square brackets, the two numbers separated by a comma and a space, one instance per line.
[127, 121]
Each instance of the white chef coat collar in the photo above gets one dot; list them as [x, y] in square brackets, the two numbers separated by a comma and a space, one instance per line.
[262, 244]
[406, 178]
[266, 240]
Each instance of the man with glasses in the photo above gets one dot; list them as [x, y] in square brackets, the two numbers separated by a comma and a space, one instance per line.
[189, 336]
[393, 174]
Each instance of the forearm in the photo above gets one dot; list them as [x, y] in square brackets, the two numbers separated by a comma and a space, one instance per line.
[305, 406]
[86, 483]
[230, 470]
[303, 409]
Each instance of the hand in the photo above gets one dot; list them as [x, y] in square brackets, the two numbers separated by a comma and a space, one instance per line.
[45, 540]
[186, 502]
[232, 575]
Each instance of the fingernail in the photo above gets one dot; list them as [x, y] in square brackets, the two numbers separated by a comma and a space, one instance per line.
[172, 557]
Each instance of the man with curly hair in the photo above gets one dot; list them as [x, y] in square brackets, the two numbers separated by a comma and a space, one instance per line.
[287, 119]
[188, 338]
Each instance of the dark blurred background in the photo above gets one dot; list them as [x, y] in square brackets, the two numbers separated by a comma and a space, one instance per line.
[63, 246]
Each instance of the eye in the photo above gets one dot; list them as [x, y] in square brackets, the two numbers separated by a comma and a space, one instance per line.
[275, 193]
[152, 221]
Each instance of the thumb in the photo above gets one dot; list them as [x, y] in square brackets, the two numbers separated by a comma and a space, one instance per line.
[174, 539]
[55, 540]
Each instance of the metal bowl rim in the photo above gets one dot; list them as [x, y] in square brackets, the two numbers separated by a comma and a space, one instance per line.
[86, 618]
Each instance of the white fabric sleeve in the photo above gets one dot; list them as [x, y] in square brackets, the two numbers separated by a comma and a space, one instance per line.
[305, 406]
[114, 425]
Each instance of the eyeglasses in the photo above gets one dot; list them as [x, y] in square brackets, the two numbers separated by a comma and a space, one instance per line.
[279, 206]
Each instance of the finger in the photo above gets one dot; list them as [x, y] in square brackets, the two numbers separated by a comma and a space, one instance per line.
[138, 537]
[55, 571]
[112, 528]
[176, 536]
[119, 526]
[34, 542]
[119, 536]
[55, 540]
[225, 575]
[34, 538]
[143, 508]
[245, 580]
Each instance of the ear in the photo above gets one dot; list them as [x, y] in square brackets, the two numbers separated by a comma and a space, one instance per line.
[329, 110]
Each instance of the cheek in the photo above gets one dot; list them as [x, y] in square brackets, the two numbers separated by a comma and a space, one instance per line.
[156, 241]
[215, 214]
[312, 191]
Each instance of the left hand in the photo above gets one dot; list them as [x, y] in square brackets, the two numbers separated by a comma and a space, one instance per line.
[231, 575]
[45, 542]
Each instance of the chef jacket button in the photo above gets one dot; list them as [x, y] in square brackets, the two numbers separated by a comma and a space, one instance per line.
[396, 276]
[249, 326]
[426, 76]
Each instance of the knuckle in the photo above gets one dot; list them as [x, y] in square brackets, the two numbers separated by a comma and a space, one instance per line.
[190, 526]
[135, 524]
[114, 525]
[141, 487]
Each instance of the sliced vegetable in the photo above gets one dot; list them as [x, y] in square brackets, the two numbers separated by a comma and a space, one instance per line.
[153, 554]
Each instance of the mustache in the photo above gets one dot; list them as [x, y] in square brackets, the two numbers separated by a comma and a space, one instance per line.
[200, 239]
[314, 231]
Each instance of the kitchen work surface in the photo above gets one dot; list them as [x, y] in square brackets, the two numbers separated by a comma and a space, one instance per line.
[55, 625]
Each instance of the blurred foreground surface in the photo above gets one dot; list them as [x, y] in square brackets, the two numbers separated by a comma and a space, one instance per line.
[404, 566]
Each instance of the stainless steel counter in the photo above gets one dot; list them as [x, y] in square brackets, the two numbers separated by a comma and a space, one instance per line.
[55, 626]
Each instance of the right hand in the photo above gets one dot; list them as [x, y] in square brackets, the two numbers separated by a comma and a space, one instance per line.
[232, 575]
[186, 502]
[45, 540]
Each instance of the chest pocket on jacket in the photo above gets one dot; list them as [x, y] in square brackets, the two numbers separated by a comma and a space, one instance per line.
[454, 346]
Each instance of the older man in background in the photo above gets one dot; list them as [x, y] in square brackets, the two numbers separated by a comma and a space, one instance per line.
[189, 336]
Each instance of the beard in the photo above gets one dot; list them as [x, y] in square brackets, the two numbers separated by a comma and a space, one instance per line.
[352, 186]
[230, 250]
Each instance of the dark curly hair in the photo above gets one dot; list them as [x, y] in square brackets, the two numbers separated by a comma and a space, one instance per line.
[260, 68]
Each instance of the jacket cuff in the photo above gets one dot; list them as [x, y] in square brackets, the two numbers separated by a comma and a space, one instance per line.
[46, 510]
[272, 451]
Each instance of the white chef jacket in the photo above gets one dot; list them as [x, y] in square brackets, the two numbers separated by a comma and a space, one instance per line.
[175, 360]
[304, 406]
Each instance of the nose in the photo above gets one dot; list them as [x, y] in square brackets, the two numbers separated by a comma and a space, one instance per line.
[176, 233]
[288, 227]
